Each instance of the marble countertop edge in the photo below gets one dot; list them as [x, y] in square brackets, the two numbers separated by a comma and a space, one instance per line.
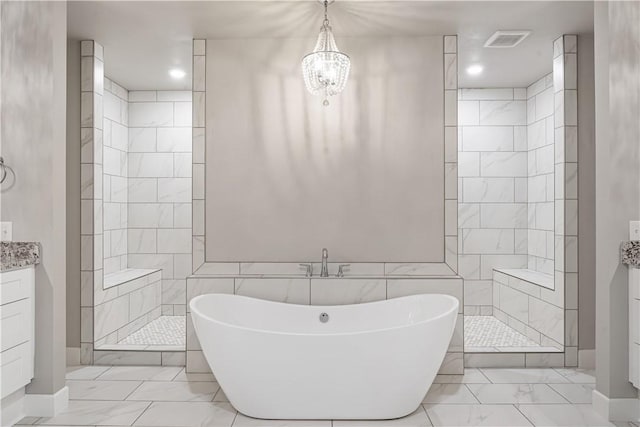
[16, 255]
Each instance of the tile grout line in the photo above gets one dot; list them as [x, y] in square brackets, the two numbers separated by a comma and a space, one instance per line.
[142, 413]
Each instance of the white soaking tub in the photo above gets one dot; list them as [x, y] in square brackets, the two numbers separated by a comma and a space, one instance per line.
[362, 361]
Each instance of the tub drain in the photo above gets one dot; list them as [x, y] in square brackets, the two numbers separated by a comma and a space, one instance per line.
[324, 317]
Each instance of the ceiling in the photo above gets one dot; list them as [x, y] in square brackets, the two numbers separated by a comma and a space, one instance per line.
[144, 39]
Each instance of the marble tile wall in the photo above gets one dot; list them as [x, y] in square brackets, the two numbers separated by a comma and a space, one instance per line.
[130, 306]
[323, 291]
[525, 306]
[159, 190]
[91, 192]
[115, 148]
[492, 171]
[540, 182]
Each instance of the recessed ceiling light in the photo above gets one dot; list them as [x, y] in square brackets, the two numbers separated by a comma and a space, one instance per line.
[474, 70]
[177, 73]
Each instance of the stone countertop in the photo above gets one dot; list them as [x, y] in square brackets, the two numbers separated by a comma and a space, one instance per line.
[630, 253]
[17, 255]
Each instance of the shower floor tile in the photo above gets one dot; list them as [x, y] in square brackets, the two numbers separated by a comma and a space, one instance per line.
[164, 331]
[486, 334]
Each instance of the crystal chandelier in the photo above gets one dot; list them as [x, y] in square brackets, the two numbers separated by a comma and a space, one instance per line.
[326, 69]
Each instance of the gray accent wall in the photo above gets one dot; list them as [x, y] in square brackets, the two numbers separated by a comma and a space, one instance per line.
[617, 100]
[33, 75]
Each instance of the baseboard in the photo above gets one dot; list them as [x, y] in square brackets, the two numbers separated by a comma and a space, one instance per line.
[587, 359]
[46, 405]
[627, 409]
[12, 408]
[73, 356]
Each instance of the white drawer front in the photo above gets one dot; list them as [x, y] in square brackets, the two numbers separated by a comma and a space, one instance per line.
[16, 285]
[16, 369]
[16, 323]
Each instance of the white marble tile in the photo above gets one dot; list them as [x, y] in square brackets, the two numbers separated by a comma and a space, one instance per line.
[182, 114]
[174, 190]
[182, 165]
[150, 215]
[198, 118]
[503, 113]
[449, 393]
[470, 376]
[468, 113]
[202, 286]
[515, 393]
[174, 139]
[175, 391]
[244, 421]
[450, 71]
[142, 189]
[403, 287]
[151, 114]
[174, 95]
[524, 376]
[101, 390]
[450, 44]
[544, 104]
[487, 138]
[575, 393]
[294, 291]
[347, 291]
[579, 376]
[563, 415]
[97, 413]
[199, 70]
[468, 215]
[493, 94]
[179, 414]
[177, 240]
[142, 140]
[110, 316]
[468, 164]
[417, 419]
[547, 318]
[149, 165]
[476, 415]
[503, 215]
[140, 373]
[84, 372]
[488, 241]
[488, 190]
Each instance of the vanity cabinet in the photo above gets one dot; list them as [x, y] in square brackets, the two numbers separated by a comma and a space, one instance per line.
[16, 329]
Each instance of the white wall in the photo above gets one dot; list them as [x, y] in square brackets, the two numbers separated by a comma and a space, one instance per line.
[34, 41]
[159, 190]
[363, 177]
[492, 170]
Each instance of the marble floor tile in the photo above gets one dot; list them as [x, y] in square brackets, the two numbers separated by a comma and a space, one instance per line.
[187, 414]
[175, 391]
[523, 376]
[449, 393]
[579, 376]
[244, 421]
[575, 393]
[418, 419]
[183, 376]
[488, 331]
[563, 415]
[140, 373]
[220, 396]
[84, 372]
[476, 415]
[101, 390]
[103, 413]
[515, 393]
[471, 376]
[27, 421]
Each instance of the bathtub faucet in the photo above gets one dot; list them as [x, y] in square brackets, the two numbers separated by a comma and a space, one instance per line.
[324, 272]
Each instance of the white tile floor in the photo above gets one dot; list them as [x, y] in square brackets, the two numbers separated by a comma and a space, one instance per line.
[484, 334]
[167, 396]
[165, 330]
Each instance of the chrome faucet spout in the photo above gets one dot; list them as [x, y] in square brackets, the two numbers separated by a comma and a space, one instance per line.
[324, 272]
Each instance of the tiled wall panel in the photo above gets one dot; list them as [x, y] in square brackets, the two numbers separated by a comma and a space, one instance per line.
[115, 148]
[159, 190]
[492, 170]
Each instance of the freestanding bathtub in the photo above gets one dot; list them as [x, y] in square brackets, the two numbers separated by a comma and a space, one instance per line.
[363, 361]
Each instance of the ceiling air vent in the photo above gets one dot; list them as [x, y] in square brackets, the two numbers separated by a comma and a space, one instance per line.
[506, 39]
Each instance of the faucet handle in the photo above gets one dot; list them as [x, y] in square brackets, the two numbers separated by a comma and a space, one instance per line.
[341, 269]
[308, 269]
